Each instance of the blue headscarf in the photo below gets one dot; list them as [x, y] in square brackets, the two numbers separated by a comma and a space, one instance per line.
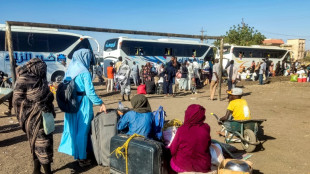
[80, 63]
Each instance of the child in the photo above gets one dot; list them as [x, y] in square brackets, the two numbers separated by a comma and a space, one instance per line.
[193, 87]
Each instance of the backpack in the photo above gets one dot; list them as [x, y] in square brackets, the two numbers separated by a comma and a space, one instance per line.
[66, 96]
[159, 120]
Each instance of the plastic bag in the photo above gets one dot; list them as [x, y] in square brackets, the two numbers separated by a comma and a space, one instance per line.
[170, 130]
[216, 154]
[294, 78]
[169, 135]
[48, 122]
[141, 89]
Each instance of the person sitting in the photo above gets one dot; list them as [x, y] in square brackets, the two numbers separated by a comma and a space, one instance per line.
[140, 119]
[191, 153]
[237, 108]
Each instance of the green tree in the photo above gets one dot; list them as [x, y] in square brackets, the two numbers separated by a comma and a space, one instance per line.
[243, 35]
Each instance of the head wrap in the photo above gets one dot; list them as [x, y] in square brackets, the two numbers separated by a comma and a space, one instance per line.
[80, 63]
[194, 115]
[140, 104]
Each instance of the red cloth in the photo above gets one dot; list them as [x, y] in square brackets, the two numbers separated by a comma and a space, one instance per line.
[190, 147]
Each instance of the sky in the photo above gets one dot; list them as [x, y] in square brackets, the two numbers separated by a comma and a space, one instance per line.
[281, 19]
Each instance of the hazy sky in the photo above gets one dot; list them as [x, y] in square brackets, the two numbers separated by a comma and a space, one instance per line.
[283, 19]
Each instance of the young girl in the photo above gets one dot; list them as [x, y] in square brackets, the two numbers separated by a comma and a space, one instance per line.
[193, 87]
[191, 153]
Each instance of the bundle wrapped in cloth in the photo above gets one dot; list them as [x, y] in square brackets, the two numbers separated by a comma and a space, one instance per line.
[170, 130]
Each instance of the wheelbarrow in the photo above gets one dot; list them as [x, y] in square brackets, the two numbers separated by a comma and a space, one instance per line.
[245, 130]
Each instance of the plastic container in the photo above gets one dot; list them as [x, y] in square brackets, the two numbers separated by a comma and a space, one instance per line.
[299, 80]
[304, 79]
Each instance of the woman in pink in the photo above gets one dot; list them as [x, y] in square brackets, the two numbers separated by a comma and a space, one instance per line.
[190, 147]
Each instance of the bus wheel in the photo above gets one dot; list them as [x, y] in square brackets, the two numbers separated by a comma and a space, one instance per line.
[57, 76]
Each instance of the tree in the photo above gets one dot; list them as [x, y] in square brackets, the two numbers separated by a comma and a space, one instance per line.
[243, 35]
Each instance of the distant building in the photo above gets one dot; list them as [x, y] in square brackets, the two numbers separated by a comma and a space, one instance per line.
[273, 42]
[297, 46]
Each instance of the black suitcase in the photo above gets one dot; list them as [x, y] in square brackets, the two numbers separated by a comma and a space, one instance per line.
[150, 87]
[103, 128]
[145, 156]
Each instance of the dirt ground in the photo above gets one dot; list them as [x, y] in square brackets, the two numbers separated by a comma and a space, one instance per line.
[284, 104]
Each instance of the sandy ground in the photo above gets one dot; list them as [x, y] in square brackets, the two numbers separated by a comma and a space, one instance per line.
[285, 105]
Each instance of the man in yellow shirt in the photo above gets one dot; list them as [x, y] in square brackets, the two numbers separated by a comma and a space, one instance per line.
[238, 108]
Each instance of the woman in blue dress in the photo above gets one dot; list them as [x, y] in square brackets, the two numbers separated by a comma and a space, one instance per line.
[77, 125]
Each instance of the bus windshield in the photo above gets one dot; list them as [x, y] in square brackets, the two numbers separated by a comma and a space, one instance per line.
[226, 49]
[110, 45]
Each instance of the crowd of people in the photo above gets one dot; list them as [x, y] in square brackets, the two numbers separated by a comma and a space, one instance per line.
[32, 100]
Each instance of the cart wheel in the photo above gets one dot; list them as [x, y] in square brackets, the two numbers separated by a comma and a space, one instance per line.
[249, 136]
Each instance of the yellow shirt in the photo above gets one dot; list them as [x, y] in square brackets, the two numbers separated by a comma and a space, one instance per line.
[240, 109]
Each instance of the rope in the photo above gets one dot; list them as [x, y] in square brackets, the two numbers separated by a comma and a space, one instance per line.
[118, 151]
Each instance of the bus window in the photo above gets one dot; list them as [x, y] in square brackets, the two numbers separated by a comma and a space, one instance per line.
[139, 52]
[110, 45]
[226, 49]
[83, 44]
[41, 42]
[2, 40]
[168, 51]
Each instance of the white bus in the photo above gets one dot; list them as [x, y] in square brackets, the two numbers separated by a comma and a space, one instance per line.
[155, 51]
[50, 45]
[244, 55]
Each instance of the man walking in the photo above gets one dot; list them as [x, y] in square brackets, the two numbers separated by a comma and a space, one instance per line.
[135, 73]
[262, 71]
[232, 72]
[215, 78]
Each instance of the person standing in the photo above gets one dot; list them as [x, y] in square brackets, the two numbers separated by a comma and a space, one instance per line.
[278, 69]
[118, 63]
[268, 64]
[176, 65]
[232, 72]
[253, 67]
[262, 71]
[32, 99]
[147, 73]
[168, 78]
[184, 77]
[190, 73]
[123, 78]
[135, 73]
[196, 68]
[75, 134]
[110, 74]
[141, 74]
[215, 78]
[99, 73]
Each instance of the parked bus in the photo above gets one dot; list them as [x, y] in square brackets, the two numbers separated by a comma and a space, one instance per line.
[155, 51]
[244, 55]
[50, 45]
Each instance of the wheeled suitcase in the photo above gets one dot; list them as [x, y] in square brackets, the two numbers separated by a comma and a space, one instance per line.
[145, 156]
[150, 87]
[103, 128]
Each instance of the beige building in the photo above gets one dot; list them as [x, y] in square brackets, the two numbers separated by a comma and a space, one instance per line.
[297, 46]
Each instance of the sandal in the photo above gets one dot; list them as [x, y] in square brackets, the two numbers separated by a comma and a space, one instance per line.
[84, 163]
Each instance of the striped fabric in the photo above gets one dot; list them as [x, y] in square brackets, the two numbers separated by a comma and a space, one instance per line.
[31, 96]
